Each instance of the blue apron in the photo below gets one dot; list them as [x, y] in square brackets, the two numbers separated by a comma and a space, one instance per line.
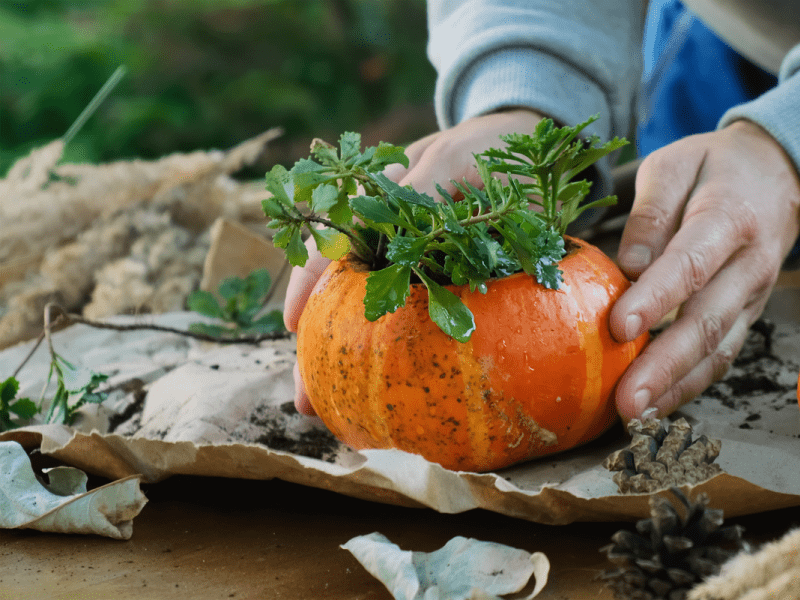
[690, 78]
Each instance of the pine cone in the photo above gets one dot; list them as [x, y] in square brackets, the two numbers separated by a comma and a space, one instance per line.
[657, 459]
[670, 553]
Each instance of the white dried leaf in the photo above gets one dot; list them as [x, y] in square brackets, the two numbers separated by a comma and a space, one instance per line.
[63, 505]
[463, 569]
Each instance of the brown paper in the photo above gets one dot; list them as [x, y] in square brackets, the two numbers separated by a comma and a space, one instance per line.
[236, 251]
[208, 406]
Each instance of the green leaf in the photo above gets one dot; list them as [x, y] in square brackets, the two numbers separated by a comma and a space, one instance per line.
[549, 275]
[387, 291]
[387, 154]
[57, 413]
[448, 215]
[331, 244]
[447, 310]
[292, 243]
[296, 251]
[272, 321]
[24, 408]
[232, 287]
[257, 283]
[340, 212]
[325, 152]
[88, 393]
[350, 144]
[281, 184]
[521, 244]
[205, 303]
[8, 390]
[323, 198]
[406, 251]
[307, 175]
[403, 193]
[377, 212]
[273, 208]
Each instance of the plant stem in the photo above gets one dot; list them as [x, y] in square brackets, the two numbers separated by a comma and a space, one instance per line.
[367, 255]
[481, 218]
[94, 104]
[378, 259]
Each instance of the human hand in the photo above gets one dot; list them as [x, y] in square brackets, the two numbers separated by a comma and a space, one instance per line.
[714, 216]
[437, 158]
[447, 156]
[301, 283]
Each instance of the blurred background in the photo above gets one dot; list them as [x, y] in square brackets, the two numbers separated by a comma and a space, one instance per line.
[210, 74]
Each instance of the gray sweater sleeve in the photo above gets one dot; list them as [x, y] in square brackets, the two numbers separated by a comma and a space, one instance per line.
[564, 58]
[778, 110]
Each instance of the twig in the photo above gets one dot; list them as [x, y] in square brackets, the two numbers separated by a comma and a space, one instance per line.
[64, 316]
[245, 339]
[28, 356]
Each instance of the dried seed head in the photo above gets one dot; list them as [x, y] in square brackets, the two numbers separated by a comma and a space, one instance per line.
[658, 458]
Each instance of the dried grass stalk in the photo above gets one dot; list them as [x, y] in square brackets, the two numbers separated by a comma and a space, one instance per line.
[773, 573]
[127, 236]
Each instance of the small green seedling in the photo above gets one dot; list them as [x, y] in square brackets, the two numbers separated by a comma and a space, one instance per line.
[23, 408]
[74, 388]
[243, 300]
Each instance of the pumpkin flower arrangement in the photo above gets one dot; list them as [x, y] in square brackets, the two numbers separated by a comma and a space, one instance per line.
[473, 331]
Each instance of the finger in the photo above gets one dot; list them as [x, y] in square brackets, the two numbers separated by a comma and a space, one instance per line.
[301, 401]
[664, 182]
[440, 163]
[301, 282]
[448, 156]
[701, 331]
[396, 172]
[708, 238]
[709, 370]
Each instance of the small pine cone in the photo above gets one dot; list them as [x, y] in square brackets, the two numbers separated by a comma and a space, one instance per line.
[657, 458]
[670, 552]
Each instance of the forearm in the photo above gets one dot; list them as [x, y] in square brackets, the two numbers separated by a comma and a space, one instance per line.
[568, 60]
[565, 59]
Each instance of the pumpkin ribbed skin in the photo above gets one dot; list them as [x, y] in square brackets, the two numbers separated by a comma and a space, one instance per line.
[536, 377]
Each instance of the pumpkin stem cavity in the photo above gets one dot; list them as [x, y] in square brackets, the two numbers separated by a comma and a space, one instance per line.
[340, 197]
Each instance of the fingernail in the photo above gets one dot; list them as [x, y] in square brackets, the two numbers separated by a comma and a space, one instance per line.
[649, 413]
[641, 401]
[633, 325]
[637, 257]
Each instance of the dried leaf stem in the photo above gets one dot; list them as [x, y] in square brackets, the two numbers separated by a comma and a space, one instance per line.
[54, 315]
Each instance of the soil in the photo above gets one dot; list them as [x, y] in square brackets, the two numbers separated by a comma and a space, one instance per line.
[315, 443]
[758, 380]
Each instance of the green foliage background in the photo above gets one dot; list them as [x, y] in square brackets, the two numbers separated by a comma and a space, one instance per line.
[210, 73]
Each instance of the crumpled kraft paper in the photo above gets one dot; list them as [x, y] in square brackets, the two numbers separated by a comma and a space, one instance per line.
[215, 410]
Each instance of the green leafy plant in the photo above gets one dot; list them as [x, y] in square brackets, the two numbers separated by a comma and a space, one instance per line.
[243, 299]
[24, 408]
[343, 199]
[74, 388]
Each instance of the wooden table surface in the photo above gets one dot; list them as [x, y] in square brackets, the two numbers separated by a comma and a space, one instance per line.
[208, 538]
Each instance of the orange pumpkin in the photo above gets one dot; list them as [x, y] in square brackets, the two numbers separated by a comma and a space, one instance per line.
[536, 377]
